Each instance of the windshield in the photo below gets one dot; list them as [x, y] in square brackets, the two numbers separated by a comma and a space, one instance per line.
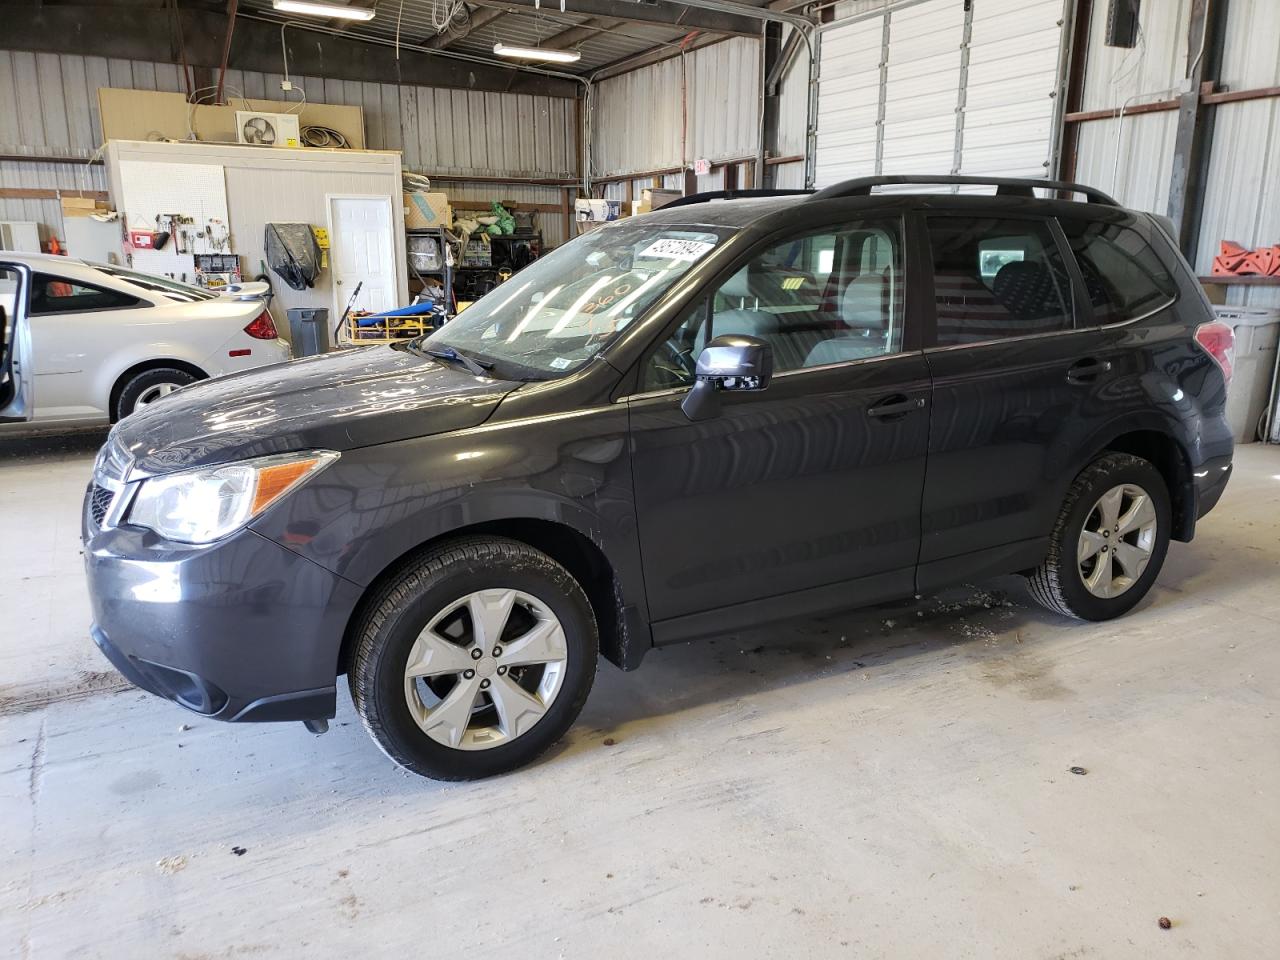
[163, 285]
[562, 309]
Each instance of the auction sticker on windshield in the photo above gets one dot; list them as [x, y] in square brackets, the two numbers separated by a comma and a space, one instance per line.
[672, 248]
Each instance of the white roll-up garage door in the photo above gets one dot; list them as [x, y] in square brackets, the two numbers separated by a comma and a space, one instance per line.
[933, 87]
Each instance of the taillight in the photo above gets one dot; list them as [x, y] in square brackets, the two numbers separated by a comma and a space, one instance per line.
[263, 327]
[1219, 341]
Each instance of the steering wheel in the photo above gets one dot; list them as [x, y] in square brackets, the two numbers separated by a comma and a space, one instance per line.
[681, 359]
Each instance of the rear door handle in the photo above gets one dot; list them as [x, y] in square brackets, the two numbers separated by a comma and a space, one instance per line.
[1088, 370]
[895, 406]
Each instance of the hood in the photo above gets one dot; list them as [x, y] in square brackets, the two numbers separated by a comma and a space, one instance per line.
[339, 401]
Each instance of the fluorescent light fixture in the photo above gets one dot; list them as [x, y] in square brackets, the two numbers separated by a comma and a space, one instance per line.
[530, 53]
[317, 9]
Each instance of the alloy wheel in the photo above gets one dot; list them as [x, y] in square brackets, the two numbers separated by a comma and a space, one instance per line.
[1116, 540]
[485, 669]
[154, 393]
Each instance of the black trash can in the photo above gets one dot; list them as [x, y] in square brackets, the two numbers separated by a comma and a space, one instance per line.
[308, 331]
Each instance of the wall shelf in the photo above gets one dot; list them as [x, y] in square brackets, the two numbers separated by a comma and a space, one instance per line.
[1234, 281]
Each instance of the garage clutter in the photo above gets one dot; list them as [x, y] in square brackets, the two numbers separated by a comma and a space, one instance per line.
[458, 250]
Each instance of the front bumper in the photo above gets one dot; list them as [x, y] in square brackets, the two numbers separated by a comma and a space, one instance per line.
[240, 630]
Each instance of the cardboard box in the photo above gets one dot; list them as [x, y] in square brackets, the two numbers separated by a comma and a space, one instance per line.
[651, 199]
[427, 210]
[596, 211]
[82, 206]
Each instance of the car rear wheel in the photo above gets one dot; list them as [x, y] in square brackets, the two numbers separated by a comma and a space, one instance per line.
[1109, 542]
[149, 386]
[474, 659]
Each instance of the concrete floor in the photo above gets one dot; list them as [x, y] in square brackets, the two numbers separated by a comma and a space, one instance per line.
[891, 783]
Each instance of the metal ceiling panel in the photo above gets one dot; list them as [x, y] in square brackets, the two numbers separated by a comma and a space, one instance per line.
[531, 29]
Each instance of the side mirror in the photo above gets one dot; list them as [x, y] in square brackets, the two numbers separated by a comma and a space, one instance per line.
[730, 362]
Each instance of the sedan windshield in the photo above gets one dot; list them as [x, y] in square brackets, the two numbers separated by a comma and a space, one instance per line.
[564, 308]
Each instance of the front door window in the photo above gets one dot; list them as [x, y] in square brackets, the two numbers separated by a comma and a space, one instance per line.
[830, 296]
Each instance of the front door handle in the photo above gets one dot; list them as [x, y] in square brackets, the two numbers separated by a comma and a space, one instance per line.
[1087, 370]
[895, 406]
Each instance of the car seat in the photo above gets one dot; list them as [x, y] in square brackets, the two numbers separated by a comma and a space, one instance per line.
[865, 308]
[1027, 290]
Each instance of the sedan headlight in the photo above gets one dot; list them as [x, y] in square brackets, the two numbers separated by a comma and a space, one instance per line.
[209, 503]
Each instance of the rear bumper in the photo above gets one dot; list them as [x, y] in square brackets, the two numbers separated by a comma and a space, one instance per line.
[1211, 481]
[241, 630]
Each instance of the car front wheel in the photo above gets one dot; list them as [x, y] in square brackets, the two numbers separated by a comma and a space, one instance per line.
[1109, 541]
[474, 659]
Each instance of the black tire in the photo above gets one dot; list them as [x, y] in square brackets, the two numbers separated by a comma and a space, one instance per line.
[406, 603]
[140, 384]
[1058, 583]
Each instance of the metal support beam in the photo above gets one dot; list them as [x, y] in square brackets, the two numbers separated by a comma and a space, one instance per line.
[1205, 33]
[1073, 94]
[790, 50]
[662, 13]
[479, 19]
[772, 52]
[568, 39]
[113, 31]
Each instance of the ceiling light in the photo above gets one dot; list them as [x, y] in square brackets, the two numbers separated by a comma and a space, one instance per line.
[318, 9]
[532, 53]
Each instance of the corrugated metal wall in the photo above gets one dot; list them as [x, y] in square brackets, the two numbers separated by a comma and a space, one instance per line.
[49, 108]
[1242, 198]
[1131, 158]
[1134, 163]
[637, 116]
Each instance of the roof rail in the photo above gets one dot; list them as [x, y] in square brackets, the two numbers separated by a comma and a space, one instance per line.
[708, 195]
[1005, 186]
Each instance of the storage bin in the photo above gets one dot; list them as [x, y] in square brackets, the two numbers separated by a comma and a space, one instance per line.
[1257, 331]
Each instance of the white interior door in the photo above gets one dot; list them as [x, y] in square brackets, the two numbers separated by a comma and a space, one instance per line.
[362, 251]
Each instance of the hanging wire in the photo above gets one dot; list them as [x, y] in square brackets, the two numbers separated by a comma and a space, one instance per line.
[449, 14]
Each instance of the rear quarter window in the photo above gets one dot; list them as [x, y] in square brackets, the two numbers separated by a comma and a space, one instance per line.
[50, 294]
[1124, 276]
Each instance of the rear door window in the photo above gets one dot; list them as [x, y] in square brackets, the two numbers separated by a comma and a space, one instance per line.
[995, 278]
[50, 294]
[1124, 277]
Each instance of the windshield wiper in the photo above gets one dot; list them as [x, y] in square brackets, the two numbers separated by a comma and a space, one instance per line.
[478, 367]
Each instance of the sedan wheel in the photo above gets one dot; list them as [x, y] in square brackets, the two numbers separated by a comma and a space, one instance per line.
[154, 393]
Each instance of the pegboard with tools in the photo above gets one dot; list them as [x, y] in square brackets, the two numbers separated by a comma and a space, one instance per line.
[174, 212]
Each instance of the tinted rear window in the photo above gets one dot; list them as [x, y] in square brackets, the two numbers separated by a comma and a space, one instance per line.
[50, 294]
[997, 278]
[1123, 275]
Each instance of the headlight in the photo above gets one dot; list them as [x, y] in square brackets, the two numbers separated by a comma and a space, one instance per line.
[207, 504]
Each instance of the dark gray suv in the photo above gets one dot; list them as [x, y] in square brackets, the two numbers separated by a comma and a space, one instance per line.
[682, 424]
